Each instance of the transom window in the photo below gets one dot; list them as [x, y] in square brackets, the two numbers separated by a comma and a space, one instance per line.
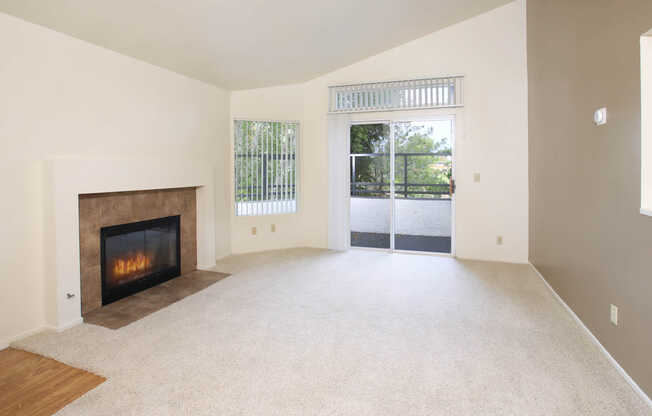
[646, 123]
[265, 167]
[397, 95]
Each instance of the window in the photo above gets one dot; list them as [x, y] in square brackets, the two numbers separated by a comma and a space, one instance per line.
[646, 123]
[397, 95]
[265, 167]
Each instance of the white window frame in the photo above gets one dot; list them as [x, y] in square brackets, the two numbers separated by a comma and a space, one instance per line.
[264, 207]
[646, 124]
[424, 93]
[456, 115]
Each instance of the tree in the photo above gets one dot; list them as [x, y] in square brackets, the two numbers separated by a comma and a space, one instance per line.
[411, 142]
[371, 138]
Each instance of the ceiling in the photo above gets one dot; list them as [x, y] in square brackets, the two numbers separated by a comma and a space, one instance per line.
[239, 44]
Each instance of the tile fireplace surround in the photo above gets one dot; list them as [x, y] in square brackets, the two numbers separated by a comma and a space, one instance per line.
[106, 209]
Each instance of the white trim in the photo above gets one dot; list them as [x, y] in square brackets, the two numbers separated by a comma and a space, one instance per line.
[5, 343]
[67, 325]
[378, 249]
[424, 253]
[265, 120]
[646, 211]
[8, 341]
[354, 84]
[392, 188]
[611, 359]
[397, 109]
[407, 252]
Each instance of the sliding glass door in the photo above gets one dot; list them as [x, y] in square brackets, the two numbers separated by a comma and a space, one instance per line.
[401, 185]
[370, 167]
[423, 160]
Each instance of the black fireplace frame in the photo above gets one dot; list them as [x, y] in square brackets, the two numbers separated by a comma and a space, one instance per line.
[110, 295]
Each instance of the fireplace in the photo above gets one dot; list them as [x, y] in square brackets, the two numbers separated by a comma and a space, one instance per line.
[139, 255]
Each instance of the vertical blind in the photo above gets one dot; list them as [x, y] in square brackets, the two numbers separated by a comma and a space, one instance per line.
[397, 95]
[265, 167]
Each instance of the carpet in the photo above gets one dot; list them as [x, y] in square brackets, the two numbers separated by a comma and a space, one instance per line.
[314, 332]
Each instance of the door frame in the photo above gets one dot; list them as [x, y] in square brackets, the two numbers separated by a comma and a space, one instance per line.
[390, 117]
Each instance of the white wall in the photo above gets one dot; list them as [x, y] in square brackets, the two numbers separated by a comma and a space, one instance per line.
[413, 217]
[490, 51]
[62, 97]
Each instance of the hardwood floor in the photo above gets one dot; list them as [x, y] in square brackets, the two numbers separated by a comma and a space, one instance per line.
[31, 384]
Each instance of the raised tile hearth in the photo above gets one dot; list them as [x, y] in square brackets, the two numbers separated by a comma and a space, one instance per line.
[139, 305]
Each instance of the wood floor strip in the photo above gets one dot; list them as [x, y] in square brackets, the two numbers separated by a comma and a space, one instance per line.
[31, 384]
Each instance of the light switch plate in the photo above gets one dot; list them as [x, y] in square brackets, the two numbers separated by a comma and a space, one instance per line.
[476, 177]
[614, 314]
[600, 116]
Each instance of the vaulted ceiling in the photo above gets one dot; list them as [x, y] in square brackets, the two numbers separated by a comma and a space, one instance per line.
[240, 44]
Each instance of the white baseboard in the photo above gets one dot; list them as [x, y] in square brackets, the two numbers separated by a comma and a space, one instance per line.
[210, 266]
[67, 325]
[611, 359]
[222, 257]
[8, 341]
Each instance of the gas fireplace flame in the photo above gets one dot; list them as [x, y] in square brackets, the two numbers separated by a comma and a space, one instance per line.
[136, 263]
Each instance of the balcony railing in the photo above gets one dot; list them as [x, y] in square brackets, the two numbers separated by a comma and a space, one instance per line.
[265, 177]
[404, 189]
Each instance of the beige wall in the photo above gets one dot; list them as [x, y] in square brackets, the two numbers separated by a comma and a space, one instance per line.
[62, 97]
[587, 236]
[490, 51]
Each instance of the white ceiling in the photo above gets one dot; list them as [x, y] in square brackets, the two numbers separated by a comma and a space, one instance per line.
[240, 44]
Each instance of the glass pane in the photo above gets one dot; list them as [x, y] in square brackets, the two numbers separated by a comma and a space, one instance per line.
[370, 180]
[422, 172]
[133, 255]
[265, 167]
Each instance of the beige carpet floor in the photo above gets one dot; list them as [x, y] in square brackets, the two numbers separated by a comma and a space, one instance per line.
[311, 332]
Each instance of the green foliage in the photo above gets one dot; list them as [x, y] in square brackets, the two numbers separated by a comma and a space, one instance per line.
[371, 138]
[265, 167]
[420, 159]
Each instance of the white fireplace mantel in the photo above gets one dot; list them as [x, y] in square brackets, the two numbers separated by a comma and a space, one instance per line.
[66, 178]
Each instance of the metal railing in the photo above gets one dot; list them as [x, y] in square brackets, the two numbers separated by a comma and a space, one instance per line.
[405, 189]
[262, 187]
[265, 193]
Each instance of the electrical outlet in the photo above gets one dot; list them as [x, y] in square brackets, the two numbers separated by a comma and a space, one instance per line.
[273, 228]
[253, 230]
[476, 177]
[614, 314]
[499, 240]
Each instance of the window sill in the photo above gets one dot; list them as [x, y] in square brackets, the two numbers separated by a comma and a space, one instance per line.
[646, 211]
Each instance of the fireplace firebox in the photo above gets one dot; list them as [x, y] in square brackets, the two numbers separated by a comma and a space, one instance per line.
[139, 255]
